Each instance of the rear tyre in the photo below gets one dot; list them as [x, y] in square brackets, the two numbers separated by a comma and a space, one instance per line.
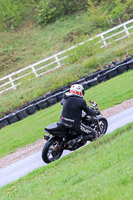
[52, 150]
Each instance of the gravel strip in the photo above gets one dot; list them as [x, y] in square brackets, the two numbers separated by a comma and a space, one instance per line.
[37, 146]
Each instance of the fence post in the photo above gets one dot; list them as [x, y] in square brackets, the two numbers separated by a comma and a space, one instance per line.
[57, 60]
[104, 41]
[34, 71]
[126, 30]
[12, 82]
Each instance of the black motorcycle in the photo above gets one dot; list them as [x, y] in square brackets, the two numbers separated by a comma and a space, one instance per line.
[59, 136]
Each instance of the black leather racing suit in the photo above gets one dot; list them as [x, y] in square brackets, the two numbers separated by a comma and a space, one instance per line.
[72, 114]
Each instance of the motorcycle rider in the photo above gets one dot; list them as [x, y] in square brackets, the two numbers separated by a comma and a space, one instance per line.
[73, 105]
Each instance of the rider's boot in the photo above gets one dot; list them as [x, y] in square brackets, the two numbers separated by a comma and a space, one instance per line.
[89, 138]
[72, 144]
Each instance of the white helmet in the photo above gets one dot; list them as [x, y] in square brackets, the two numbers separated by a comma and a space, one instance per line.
[77, 89]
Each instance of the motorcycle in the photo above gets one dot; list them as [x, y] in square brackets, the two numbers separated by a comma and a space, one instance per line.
[59, 136]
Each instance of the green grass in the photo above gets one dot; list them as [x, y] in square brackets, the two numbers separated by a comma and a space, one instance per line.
[30, 129]
[30, 44]
[69, 73]
[112, 92]
[101, 170]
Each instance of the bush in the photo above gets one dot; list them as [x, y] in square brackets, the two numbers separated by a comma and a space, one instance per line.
[50, 10]
[120, 52]
[91, 63]
[46, 13]
[83, 50]
[78, 53]
[10, 13]
[104, 14]
[99, 19]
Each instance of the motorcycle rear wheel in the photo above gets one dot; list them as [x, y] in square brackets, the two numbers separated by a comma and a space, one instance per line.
[51, 150]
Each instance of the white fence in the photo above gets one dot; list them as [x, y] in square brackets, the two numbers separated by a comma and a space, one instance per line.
[46, 65]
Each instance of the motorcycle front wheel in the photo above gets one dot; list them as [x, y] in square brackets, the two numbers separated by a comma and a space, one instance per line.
[52, 150]
[103, 126]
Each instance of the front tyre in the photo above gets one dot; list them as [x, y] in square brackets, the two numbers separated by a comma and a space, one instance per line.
[103, 126]
[52, 150]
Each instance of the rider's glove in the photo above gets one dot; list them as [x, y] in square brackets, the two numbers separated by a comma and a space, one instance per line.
[98, 112]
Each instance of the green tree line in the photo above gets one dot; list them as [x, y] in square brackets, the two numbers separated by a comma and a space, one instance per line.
[102, 13]
[109, 13]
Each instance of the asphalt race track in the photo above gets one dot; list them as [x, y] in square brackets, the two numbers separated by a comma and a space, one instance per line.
[30, 163]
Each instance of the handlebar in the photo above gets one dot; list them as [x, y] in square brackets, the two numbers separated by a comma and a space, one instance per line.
[94, 105]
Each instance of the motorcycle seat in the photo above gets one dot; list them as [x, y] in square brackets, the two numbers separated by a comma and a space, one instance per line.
[55, 127]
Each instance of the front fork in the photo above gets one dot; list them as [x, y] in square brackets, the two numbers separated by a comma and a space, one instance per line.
[98, 126]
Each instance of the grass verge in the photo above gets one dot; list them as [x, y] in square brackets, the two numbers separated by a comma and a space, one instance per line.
[31, 43]
[101, 170]
[30, 90]
[30, 129]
